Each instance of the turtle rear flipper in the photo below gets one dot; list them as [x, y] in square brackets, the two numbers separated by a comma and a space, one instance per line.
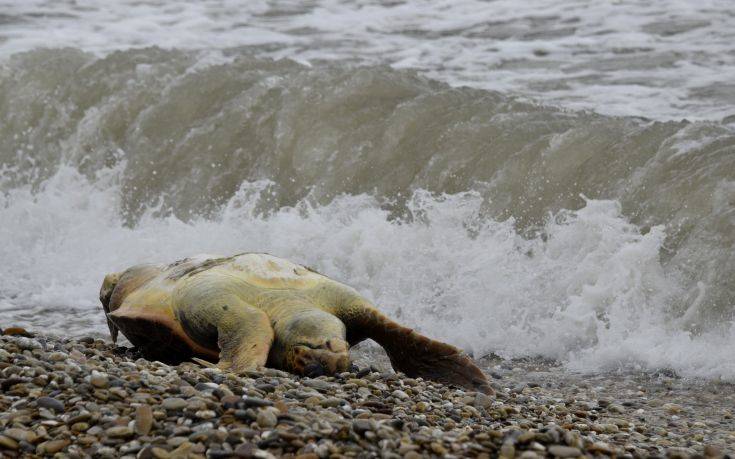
[412, 353]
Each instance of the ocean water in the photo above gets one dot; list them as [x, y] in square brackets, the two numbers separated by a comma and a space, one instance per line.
[555, 179]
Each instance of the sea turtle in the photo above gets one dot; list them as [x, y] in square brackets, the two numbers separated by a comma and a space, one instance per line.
[253, 310]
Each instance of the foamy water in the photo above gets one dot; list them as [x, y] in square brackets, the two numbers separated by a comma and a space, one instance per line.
[494, 223]
[590, 292]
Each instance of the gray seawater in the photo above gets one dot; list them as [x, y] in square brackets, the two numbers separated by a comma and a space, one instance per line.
[662, 60]
[480, 217]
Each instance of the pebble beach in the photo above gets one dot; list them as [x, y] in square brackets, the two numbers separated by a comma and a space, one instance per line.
[87, 398]
[547, 185]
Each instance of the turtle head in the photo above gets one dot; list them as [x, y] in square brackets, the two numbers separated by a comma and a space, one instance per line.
[108, 286]
[317, 358]
[311, 343]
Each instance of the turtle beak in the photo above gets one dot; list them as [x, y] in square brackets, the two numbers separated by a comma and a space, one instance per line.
[113, 330]
[108, 285]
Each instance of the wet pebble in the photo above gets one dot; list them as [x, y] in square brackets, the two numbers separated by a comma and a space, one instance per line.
[89, 396]
[266, 418]
[174, 403]
[143, 419]
[50, 403]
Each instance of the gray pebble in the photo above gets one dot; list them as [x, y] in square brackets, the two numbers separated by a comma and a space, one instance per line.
[50, 403]
[174, 403]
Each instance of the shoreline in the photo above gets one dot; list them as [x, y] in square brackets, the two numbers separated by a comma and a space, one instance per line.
[86, 398]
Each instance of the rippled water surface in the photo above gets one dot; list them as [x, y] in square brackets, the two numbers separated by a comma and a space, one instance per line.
[671, 60]
[397, 146]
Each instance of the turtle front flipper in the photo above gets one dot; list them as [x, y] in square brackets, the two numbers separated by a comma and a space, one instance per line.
[244, 337]
[409, 352]
[213, 317]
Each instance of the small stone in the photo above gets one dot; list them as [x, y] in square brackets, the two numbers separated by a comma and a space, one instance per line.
[266, 387]
[679, 453]
[119, 392]
[99, 380]
[399, 394]
[17, 331]
[245, 450]
[406, 447]
[132, 447]
[615, 408]
[195, 404]
[331, 402]
[526, 437]
[564, 451]
[175, 442]
[482, 401]
[232, 402]
[222, 392]
[312, 401]
[87, 440]
[672, 408]
[8, 443]
[119, 432]
[206, 387]
[16, 434]
[507, 450]
[248, 415]
[160, 453]
[57, 356]
[106, 452]
[143, 419]
[52, 446]
[174, 404]
[145, 452]
[610, 428]
[79, 427]
[81, 417]
[28, 344]
[50, 403]
[255, 402]
[205, 414]
[438, 448]
[266, 418]
[361, 425]
[536, 446]
[182, 452]
[318, 384]
[600, 447]
[281, 406]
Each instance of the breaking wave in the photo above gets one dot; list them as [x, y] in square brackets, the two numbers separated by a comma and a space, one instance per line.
[495, 224]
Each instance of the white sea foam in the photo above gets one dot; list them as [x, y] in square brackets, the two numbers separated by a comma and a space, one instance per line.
[588, 289]
[663, 60]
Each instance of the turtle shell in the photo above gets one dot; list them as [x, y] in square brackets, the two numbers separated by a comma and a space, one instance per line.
[141, 308]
